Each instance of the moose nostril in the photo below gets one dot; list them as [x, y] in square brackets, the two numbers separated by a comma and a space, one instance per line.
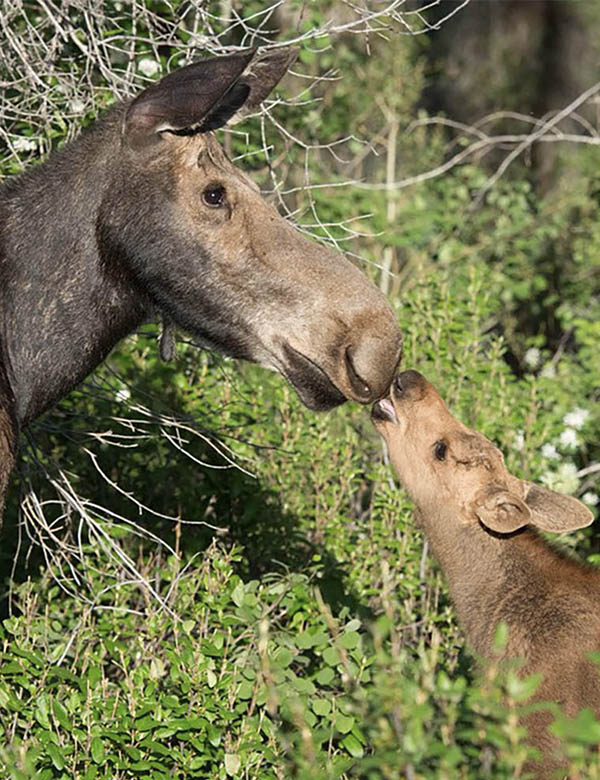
[360, 387]
[398, 383]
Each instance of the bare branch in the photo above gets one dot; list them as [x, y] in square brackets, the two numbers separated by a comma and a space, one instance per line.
[547, 131]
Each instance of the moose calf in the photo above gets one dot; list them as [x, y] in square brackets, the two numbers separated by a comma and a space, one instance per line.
[481, 524]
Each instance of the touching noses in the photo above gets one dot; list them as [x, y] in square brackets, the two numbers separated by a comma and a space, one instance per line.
[370, 364]
[410, 384]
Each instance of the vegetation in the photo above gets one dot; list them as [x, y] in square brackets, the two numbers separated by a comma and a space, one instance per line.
[284, 620]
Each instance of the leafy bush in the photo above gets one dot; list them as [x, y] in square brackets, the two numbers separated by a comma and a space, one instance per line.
[284, 620]
[326, 646]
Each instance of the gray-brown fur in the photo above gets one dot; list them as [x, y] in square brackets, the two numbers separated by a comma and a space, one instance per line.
[481, 524]
[120, 227]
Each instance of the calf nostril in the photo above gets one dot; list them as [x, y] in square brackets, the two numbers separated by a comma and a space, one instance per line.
[358, 384]
[398, 383]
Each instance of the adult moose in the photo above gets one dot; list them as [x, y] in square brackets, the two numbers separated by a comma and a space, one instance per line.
[144, 216]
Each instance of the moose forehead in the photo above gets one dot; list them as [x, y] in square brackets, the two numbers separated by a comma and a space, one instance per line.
[203, 152]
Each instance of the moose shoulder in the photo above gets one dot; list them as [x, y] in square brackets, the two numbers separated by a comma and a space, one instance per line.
[143, 216]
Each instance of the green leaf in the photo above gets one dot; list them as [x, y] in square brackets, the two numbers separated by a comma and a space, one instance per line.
[42, 711]
[97, 750]
[61, 715]
[321, 707]
[12, 625]
[245, 690]
[584, 728]
[214, 735]
[94, 676]
[146, 723]
[500, 636]
[237, 594]
[331, 656]
[232, 763]
[325, 676]
[56, 755]
[353, 746]
[350, 640]
[521, 688]
[283, 657]
[343, 723]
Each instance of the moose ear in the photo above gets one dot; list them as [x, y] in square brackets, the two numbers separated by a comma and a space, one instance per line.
[501, 511]
[184, 99]
[555, 512]
[263, 74]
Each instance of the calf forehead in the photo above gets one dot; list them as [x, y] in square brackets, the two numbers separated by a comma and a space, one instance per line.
[471, 449]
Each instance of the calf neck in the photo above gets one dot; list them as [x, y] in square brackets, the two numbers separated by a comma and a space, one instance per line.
[481, 523]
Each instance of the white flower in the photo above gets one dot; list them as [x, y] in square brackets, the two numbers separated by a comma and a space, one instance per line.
[549, 451]
[549, 371]
[590, 498]
[576, 418]
[122, 395]
[24, 144]
[568, 439]
[532, 357]
[77, 106]
[148, 67]
[564, 480]
[519, 440]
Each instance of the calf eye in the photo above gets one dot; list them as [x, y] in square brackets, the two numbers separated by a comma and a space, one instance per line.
[214, 196]
[439, 450]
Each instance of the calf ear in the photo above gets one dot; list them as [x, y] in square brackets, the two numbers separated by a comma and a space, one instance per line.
[183, 100]
[555, 512]
[501, 511]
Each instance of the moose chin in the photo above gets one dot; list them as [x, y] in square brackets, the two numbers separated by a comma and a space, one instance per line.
[143, 216]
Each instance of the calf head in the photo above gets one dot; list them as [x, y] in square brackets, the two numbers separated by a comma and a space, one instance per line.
[193, 233]
[454, 474]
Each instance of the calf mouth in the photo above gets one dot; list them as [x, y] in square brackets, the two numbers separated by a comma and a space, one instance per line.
[384, 411]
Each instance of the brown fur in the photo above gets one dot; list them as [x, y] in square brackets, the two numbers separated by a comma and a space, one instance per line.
[121, 227]
[480, 521]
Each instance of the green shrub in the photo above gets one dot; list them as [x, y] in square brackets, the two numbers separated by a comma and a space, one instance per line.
[313, 640]
[283, 620]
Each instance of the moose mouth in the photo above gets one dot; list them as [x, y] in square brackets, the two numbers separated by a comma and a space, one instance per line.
[312, 384]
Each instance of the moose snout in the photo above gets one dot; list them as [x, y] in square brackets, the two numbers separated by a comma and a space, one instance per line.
[361, 389]
[370, 365]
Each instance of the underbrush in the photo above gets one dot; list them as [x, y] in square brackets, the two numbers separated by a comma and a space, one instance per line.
[252, 679]
[298, 629]
[201, 578]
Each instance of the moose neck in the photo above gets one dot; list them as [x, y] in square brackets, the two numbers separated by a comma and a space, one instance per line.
[64, 301]
[490, 576]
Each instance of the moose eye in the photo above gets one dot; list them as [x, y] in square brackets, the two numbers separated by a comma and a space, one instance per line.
[439, 450]
[214, 196]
